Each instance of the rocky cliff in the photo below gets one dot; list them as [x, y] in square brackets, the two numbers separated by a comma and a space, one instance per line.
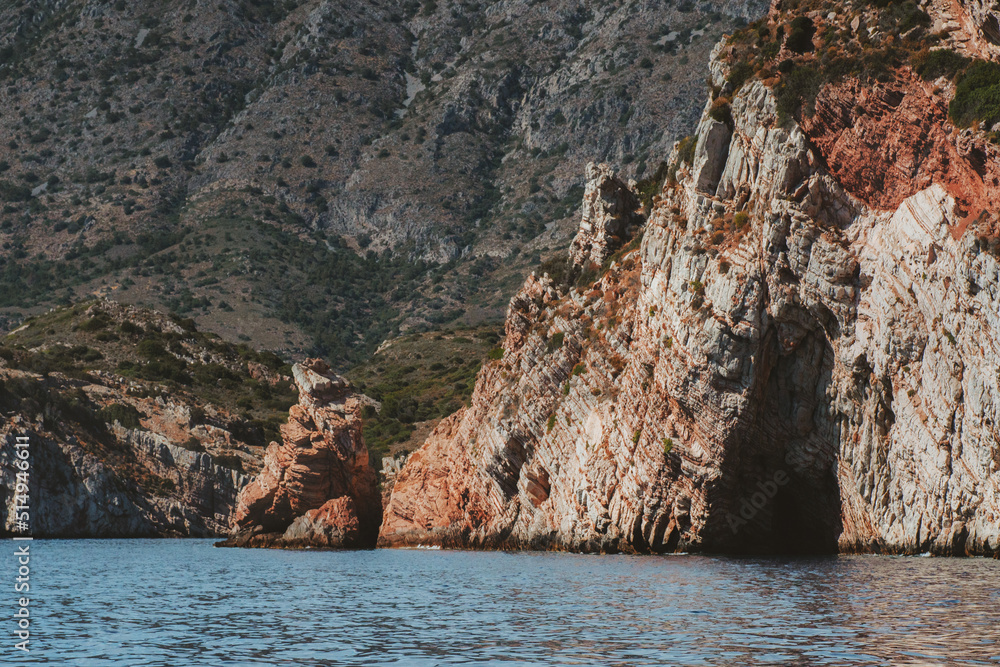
[800, 349]
[137, 424]
[149, 487]
[317, 487]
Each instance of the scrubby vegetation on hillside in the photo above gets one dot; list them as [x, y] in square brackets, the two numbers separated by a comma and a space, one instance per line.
[891, 34]
[977, 95]
[213, 158]
[166, 356]
[419, 378]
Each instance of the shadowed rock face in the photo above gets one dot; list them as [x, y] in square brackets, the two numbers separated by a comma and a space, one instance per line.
[317, 487]
[786, 363]
[609, 210]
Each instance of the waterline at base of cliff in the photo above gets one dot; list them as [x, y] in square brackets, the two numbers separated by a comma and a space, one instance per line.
[424, 607]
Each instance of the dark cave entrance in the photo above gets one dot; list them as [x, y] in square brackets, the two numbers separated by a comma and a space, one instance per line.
[805, 521]
[785, 496]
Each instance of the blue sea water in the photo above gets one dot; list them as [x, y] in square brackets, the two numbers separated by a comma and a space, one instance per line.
[146, 603]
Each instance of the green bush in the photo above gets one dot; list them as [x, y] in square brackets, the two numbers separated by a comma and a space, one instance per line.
[943, 62]
[214, 374]
[977, 95]
[95, 323]
[902, 17]
[801, 34]
[185, 323]
[152, 349]
[685, 150]
[557, 268]
[739, 74]
[800, 85]
[85, 354]
[124, 414]
[556, 341]
[721, 111]
[14, 193]
[162, 366]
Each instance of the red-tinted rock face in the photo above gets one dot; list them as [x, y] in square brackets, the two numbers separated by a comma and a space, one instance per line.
[885, 143]
[334, 525]
[316, 483]
[439, 497]
[800, 355]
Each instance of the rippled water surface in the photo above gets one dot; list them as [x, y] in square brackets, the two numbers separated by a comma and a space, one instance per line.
[183, 602]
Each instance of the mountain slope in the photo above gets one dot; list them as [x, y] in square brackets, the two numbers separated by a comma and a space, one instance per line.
[213, 158]
[138, 424]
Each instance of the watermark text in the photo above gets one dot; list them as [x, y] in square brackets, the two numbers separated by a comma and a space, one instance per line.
[22, 546]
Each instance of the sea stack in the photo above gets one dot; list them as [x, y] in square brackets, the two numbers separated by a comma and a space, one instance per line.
[317, 488]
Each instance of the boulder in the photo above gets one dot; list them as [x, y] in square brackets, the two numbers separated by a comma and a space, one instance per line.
[335, 525]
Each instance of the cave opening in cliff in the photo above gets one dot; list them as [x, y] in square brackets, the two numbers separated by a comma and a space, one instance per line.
[786, 496]
[805, 518]
[785, 512]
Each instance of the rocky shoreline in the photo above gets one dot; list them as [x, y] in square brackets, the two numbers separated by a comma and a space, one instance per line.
[788, 344]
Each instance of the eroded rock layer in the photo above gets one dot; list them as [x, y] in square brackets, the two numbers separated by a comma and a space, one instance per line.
[887, 143]
[802, 354]
[317, 487]
[609, 210]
